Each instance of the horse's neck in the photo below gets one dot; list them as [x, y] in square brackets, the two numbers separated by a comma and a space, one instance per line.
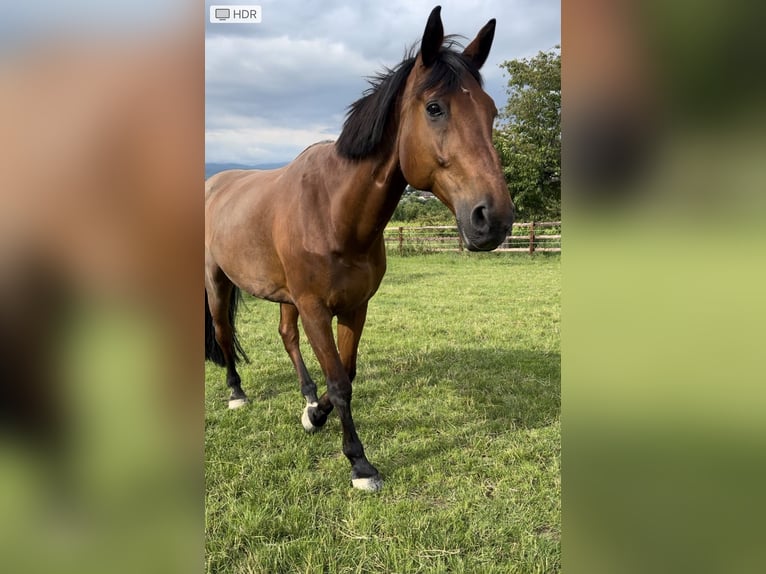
[377, 185]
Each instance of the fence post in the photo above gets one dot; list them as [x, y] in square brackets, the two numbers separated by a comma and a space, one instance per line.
[531, 237]
[401, 240]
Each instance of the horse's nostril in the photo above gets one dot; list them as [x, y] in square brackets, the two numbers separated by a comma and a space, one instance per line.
[479, 218]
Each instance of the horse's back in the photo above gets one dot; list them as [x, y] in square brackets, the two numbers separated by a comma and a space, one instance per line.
[303, 183]
[230, 178]
[316, 155]
[239, 194]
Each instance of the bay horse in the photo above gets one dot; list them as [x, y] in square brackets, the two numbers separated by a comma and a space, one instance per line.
[309, 235]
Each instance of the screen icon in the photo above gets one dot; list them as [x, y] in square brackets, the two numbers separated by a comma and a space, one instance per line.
[235, 14]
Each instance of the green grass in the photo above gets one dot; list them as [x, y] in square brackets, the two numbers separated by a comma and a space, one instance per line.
[457, 403]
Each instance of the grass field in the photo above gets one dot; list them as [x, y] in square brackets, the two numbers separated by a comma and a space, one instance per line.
[457, 402]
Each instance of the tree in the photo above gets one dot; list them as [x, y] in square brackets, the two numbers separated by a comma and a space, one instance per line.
[528, 135]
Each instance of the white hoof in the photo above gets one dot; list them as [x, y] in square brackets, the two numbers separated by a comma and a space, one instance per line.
[237, 403]
[371, 484]
[306, 421]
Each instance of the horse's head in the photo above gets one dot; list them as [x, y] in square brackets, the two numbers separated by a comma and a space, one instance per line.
[445, 136]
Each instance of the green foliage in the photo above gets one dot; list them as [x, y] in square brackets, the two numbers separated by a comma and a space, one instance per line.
[457, 400]
[528, 135]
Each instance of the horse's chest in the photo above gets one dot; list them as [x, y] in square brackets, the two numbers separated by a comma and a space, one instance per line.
[354, 282]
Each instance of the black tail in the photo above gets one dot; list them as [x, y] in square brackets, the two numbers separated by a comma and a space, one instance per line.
[213, 350]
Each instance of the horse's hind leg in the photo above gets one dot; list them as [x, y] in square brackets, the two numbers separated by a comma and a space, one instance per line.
[220, 291]
[313, 418]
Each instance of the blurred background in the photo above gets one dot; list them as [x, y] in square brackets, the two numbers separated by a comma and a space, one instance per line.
[663, 313]
[101, 152]
[102, 157]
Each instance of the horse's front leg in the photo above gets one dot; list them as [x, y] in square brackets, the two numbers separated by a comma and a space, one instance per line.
[350, 326]
[317, 323]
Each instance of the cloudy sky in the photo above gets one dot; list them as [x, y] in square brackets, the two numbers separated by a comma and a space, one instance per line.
[276, 87]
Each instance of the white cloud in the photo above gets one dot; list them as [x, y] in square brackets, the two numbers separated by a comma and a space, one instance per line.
[269, 98]
[251, 144]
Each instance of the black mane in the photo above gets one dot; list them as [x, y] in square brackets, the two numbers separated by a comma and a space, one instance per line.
[368, 117]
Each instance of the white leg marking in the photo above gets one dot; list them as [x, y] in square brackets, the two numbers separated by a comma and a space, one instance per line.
[372, 484]
[306, 421]
[237, 403]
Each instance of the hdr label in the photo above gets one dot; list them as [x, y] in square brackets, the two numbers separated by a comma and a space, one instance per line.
[230, 14]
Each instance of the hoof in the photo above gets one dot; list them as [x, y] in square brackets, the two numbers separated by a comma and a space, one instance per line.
[237, 403]
[308, 426]
[370, 484]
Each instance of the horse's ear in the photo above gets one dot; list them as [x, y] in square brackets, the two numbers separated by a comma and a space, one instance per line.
[478, 50]
[433, 36]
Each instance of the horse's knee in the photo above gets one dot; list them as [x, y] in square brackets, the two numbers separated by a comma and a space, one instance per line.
[339, 395]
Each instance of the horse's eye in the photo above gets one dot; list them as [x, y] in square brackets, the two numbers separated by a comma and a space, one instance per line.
[434, 110]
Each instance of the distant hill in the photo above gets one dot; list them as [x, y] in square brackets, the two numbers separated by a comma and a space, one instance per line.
[213, 168]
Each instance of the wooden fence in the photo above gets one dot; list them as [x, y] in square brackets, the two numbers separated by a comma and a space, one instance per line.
[543, 236]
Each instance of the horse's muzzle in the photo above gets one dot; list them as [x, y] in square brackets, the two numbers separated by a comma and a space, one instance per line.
[483, 228]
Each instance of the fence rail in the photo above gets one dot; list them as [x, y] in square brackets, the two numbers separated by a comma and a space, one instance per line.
[542, 236]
